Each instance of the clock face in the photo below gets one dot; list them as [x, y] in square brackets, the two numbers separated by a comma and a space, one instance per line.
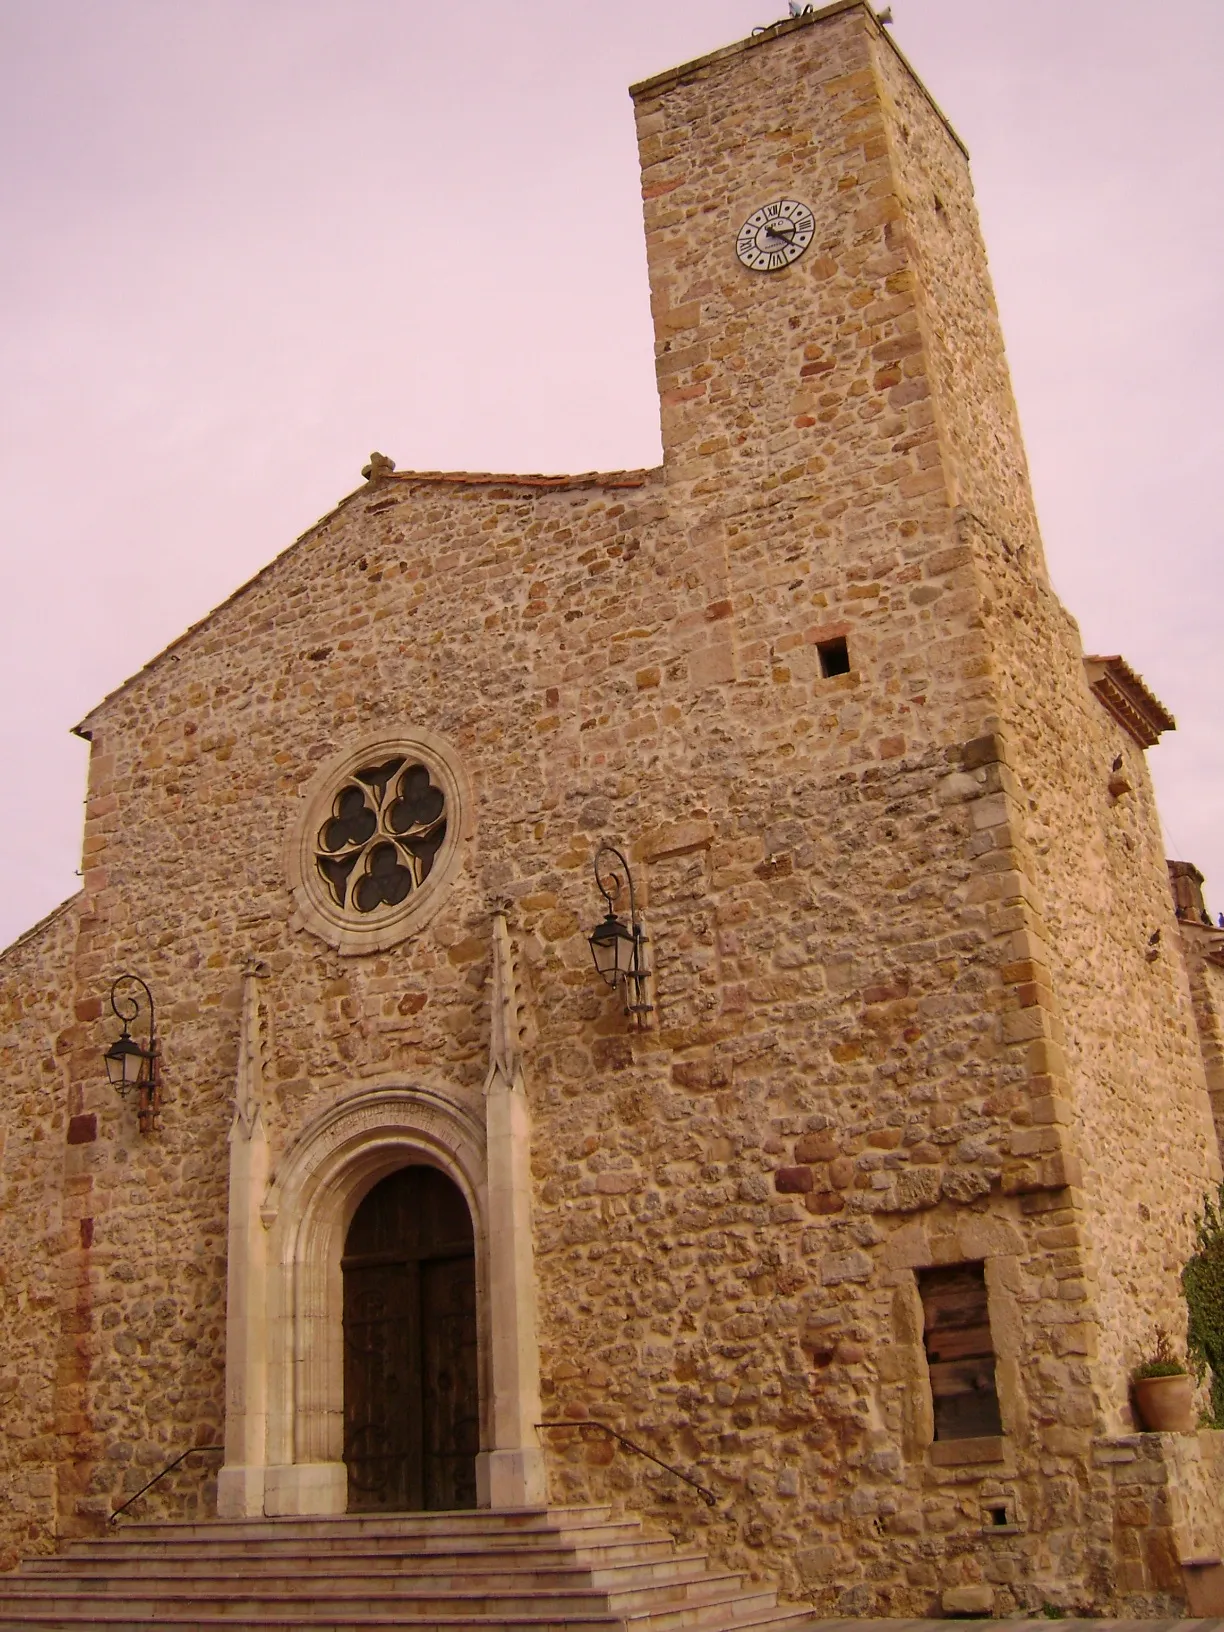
[775, 235]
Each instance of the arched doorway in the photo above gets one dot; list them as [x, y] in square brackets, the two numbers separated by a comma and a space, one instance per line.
[411, 1373]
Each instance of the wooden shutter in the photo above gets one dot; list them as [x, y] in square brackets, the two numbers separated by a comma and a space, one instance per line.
[960, 1352]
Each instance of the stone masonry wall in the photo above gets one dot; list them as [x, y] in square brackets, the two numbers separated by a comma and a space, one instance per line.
[1093, 863]
[44, 1257]
[1202, 951]
[195, 777]
[857, 1068]
[878, 348]
[1164, 1491]
[965, 363]
[1119, 1035]
[793, 1035]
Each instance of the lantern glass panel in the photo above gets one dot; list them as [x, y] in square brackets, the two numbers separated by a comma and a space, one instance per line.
[125, 1063]
[610, 948]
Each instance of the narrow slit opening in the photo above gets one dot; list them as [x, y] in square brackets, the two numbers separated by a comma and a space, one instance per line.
[834, 657]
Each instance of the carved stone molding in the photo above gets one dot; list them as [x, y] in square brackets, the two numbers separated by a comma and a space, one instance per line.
[289, 1340]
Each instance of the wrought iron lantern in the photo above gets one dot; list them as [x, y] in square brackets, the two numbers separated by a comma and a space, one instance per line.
[128, 1066]
[617, 947]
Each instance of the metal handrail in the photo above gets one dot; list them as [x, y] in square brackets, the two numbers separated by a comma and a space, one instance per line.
[169, 1468]
[707, 1496]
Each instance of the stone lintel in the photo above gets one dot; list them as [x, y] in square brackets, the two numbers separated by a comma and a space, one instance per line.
[952, 1453]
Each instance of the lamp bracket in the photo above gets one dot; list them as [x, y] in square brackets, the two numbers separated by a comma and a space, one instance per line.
[125, 1003]
[613, 875]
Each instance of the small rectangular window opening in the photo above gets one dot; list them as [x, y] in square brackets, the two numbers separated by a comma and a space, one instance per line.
[997, 1515]
[960, 1353]
[834, 657]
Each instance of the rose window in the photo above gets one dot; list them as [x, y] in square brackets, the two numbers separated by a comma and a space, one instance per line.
[378, 845]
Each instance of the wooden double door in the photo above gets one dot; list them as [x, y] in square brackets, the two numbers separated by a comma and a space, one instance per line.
[411, 1388]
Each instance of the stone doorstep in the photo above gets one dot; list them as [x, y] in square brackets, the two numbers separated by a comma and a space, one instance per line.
[716, 1612]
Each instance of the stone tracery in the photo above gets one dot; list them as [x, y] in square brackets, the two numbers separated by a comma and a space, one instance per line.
[387, 824]
[378, 839]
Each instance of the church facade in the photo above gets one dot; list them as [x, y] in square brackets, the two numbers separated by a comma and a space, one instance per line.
[860, 1197]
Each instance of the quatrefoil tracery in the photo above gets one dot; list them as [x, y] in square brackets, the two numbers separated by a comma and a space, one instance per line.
[379, 844]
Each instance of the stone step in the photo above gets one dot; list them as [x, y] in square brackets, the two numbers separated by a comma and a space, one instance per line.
[612, 1533]
[441, 1570]
[770, 1621]
[628, 1532]
[100, 1554]
[384, 1534]
[596, 1536]
[737, 1613]
[485, 1599]
[548, 1570]
[481, 1521]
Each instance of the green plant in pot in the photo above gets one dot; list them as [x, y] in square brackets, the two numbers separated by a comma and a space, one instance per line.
[1164, 1394]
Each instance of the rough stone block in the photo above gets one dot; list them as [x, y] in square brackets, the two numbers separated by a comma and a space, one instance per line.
[989, 750]
[837, 1267]
[977, 1599]
[612, 1053]
[964, 1183]
[792, 1181]
[817, 1147]
[916, 1188]
[826, 1202]
[841, 1172]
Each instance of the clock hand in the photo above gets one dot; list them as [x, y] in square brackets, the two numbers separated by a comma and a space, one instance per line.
[782, 237]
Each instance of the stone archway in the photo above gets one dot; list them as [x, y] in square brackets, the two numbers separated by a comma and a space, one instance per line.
[337, 1161]
[285, 1367]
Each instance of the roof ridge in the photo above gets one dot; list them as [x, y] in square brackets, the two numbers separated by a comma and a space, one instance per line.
[484, 478]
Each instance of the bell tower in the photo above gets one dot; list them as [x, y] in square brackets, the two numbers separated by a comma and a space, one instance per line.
[838, 421]
[849, 361]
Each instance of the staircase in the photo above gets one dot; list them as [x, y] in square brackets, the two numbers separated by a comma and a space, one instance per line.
[558, 1569]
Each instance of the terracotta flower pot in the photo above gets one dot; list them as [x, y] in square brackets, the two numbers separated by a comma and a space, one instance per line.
[1165, 1404]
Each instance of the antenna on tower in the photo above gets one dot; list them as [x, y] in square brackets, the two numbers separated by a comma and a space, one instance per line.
[885, 17]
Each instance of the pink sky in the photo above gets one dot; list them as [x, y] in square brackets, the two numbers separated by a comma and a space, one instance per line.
[247, 241]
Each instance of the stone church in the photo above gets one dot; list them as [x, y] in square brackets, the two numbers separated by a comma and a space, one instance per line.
[680, 954]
